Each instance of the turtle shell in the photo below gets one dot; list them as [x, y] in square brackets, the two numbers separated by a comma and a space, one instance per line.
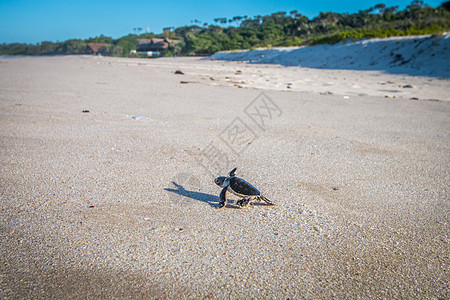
[240, 187]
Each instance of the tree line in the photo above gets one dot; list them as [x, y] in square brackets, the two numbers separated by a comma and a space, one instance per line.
[276, 30]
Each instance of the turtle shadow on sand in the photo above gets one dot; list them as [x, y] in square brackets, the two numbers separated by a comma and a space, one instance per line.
[212, 200]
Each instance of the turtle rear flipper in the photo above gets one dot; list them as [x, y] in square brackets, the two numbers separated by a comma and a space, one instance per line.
[244, 201]
[261, 197]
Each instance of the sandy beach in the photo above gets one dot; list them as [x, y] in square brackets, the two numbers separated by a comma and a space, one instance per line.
[107, 169]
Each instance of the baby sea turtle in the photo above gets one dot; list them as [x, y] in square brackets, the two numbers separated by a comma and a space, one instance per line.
[240, 188]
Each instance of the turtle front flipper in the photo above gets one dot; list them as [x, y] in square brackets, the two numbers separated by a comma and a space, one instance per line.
[223, 197]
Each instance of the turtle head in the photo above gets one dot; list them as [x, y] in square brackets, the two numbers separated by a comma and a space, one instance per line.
[220, 180]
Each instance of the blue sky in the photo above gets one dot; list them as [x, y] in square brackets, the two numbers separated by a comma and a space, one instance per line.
[29, 21]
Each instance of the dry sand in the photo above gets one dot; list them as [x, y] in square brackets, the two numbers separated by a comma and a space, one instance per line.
[99, 204]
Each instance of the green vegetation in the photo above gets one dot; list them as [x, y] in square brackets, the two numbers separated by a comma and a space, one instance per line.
[278, 29]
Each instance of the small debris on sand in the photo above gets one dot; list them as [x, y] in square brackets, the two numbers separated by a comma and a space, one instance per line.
[137, 117]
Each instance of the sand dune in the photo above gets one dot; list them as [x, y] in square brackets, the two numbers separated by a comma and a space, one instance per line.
[413, 55]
